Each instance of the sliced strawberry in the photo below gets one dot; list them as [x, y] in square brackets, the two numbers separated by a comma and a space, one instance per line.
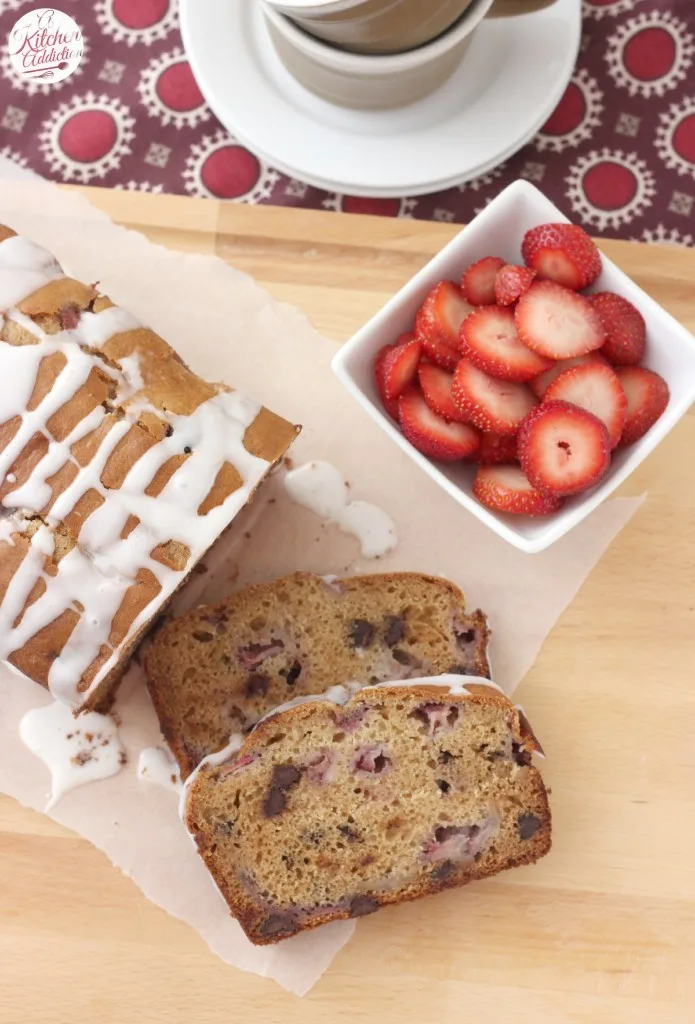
[647, 397]
[507, 489]
[436, 389]
[390, 404]
[496, 449]
[511, 283]
[557, 323]
[596, 388]
[399, 367]
[431, 434]
[478, 282]
[438, 323]
[563, 449]
[494, 405]
[489, 339]
[563, 253]
[405, 338]
[626, 331]
[540, 384]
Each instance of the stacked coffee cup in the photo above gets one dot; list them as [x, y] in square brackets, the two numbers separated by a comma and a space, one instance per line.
[378, 54]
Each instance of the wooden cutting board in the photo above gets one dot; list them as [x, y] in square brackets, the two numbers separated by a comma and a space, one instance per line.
[603, 930]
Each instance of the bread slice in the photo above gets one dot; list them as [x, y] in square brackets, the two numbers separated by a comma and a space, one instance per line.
[219, 669]
[119, 469]
[330, 812]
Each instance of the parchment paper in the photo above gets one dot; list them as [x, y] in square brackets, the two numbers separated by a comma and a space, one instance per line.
[228, 328]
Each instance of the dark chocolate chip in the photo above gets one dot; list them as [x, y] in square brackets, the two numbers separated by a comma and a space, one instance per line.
[528, 825]
[169, 431]
[285, 776]
[404, 658]
[444, 785]
[202, 637]
[351, 834]
[466, 637]
[293, 673]
[363, 905]
[443, 871]
[445, 756]
[275, 803]
[278, 924]
[361, 633]
[187, 450]
[394, 630]
[256, 686]
[521, 756]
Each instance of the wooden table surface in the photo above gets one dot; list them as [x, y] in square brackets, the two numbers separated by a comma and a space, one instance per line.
[603, 930]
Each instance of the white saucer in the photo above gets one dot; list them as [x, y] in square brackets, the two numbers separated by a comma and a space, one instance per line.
[512, 78]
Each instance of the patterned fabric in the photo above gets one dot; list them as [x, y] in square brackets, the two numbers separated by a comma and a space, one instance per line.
[617, 155]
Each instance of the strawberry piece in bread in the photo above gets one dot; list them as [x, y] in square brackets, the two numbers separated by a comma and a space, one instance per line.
[511, 283]
[596, 388]
[540, 384]
[563, 449]
[626, 331]
[507, 489]
[647, 396]
[489, 339]
[558, 323]
[390, 404]
[478, 281]
[496, 449]
[399, 367]
[433, 435]
[435, 384]
[438, 323]
[490, 404]
[563, 253]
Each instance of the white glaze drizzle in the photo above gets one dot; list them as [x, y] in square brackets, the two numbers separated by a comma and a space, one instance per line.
[157, 766]
[75, 751]
[96, 574]
[321, 488]
[24, 268]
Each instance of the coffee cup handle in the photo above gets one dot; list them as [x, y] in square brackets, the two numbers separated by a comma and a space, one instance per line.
[511, 8]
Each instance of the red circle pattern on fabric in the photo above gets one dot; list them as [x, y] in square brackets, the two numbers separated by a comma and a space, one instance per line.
[230, 172]
[617, 155]
[88, 136]
[178, 89]
[139, 13]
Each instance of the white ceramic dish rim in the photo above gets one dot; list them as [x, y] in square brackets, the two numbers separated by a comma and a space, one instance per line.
[219, 101]
[308, 7]
[361, 64]
[561, 524]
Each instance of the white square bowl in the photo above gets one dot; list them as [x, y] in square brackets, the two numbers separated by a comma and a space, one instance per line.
[498, 231]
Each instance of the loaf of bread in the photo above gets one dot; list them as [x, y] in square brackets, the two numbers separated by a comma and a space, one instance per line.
[119, 467]
[330, 812]
[219, 669]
